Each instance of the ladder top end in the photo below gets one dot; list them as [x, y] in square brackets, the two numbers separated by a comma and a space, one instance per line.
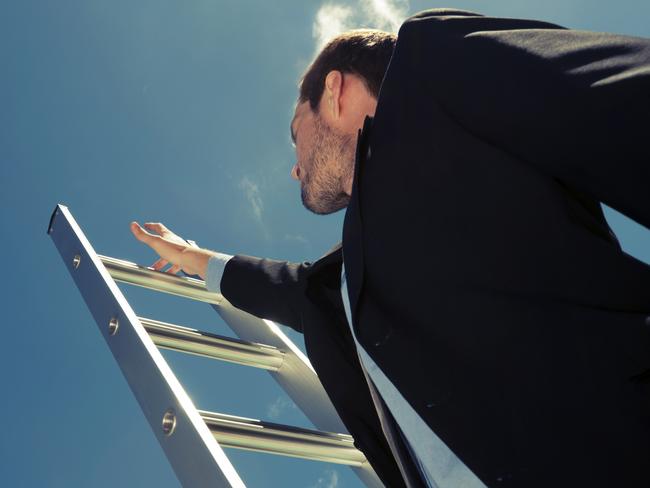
[56, 211]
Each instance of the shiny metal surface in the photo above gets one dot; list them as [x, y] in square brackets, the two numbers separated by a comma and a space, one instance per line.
[256, 435]
[134, 274]
[113, 326]
[192, 439]
[192, 341]
[192, 450]
[296, 377]
[169, 422]
[294, 374]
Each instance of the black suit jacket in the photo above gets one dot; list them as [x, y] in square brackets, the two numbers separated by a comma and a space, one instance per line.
[483, 278]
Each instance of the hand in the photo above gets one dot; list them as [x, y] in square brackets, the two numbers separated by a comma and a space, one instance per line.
[172, 250]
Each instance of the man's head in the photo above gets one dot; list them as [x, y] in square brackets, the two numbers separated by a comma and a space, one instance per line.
[337, 91]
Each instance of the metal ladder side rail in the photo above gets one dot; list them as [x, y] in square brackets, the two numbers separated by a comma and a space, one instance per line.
[226, 430]
[190, 447]
[296, 376]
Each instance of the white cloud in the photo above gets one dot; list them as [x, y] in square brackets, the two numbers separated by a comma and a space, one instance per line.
[278, 407]
[385, 14]
[333, 18]
[330, 479]
[330, 20]
[252, 193]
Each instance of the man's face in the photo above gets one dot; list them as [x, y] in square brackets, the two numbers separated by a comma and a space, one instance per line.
[324, 161]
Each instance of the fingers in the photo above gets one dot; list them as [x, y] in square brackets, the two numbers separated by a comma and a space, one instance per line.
[156, 227]
[174, 269]
[160, 264]
[168, 246]
[141, 234]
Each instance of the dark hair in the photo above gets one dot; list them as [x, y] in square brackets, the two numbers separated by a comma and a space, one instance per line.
[365, 53]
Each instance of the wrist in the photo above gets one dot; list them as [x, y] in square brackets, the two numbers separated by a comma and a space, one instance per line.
[194, 261]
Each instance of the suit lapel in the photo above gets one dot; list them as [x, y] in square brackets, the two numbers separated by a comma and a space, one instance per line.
[352, 229]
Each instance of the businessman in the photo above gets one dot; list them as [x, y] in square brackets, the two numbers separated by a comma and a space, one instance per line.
[479, 296]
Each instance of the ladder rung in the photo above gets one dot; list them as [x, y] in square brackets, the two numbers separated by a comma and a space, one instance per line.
[257, 435]
[192, 341]
[135, 274]
[190, 438]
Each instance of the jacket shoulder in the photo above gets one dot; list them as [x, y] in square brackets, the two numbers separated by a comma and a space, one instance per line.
[464, 22]
[441, 14]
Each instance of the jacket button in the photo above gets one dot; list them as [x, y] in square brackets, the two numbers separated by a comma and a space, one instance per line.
[369, 152]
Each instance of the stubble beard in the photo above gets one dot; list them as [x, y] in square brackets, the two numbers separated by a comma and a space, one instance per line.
[331, 164]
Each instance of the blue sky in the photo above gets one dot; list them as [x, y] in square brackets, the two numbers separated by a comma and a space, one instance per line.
[175, 112]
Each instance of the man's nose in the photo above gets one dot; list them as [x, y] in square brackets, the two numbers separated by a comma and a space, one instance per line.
[295, 172]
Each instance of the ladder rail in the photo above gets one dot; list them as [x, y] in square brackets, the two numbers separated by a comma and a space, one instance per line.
[190, 447]
[261, 344]
[296, 376]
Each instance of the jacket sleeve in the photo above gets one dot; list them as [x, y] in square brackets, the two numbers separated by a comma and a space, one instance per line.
[573, 104]
[266, 288]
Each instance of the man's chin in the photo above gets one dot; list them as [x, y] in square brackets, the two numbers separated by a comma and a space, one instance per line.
[325, 204]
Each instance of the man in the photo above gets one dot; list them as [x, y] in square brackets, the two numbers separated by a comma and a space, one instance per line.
[486, 297]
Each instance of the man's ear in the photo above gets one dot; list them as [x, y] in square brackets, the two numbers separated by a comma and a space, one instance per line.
[332, 93]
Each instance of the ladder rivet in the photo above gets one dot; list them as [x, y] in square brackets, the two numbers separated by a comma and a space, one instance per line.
[113, 325]
[75, 261]
[169, 422]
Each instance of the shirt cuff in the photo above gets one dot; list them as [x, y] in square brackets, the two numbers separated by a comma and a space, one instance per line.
[216, 267]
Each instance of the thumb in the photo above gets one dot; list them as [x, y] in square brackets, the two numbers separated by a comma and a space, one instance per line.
[140, 234]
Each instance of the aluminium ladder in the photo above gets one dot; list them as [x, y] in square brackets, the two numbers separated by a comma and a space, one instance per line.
[193, 439]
